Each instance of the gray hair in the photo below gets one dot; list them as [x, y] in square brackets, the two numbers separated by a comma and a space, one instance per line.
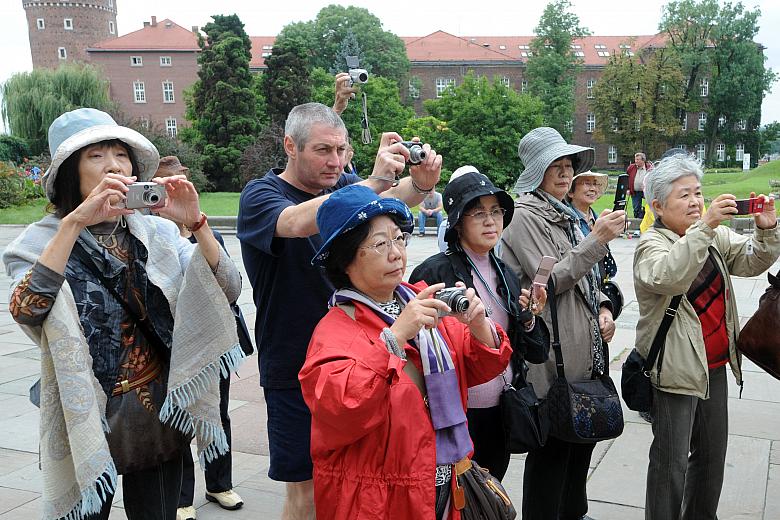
[658, 183]
[641, 154]
[302, 117]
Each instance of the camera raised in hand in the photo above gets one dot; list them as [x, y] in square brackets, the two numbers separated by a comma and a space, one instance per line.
[416, 152]
[144, 195]
[455, 298]
[750, 206]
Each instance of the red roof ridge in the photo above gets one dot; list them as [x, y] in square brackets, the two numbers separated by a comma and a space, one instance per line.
[151, 37]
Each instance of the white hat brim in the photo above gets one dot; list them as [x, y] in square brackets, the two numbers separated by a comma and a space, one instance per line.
[146, 154]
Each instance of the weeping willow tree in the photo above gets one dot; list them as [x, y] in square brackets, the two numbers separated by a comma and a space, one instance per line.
[32, 100]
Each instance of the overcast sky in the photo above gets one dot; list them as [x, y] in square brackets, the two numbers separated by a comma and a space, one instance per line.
[484, 17]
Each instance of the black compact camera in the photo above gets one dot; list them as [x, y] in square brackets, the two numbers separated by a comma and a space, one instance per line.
[455, 298]
[416, 152]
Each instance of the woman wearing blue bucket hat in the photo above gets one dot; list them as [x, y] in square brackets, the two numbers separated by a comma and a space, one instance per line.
[130, 356]
[387, 370]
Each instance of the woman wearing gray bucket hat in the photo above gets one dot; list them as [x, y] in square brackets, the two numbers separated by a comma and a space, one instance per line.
[477, 211]
[130, 356]
[387, 369]
[543, 225]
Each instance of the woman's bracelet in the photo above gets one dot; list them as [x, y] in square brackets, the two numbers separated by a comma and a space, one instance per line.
[391, 342]
[420, 190]
[199, 224]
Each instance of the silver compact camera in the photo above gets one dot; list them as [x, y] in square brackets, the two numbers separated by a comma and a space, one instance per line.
[359, 76]
[416, 152]
[144, 195]
[455, 298]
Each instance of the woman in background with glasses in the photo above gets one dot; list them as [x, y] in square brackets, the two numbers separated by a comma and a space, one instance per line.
[477, 211]
[386, 375]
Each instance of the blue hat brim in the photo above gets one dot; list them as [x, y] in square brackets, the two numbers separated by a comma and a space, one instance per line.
[375, 208]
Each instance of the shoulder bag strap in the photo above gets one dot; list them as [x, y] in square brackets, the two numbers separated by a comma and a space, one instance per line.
[143, 324]
[556, 343]
[409, 367]
[659, 342]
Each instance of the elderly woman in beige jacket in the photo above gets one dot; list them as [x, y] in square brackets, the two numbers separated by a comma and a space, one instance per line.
[543, 225]
[688, 252]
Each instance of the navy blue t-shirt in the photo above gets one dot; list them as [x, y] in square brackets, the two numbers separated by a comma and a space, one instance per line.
[290, 294]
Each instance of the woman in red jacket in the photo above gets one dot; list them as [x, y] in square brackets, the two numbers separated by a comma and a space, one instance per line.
[380, 448]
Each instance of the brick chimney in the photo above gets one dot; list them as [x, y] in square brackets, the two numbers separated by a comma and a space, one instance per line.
[195, 29]
[154, 21]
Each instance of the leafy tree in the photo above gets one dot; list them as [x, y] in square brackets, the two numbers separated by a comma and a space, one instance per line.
[715, 44]
[386, 113]
[286, 82]
[637, 102]
[13, 149]
[265, 153]
[553, 66]
[223, 105]
[32, 100]
[484, 121]
[770, 138]
[383, 53]
[349, 47]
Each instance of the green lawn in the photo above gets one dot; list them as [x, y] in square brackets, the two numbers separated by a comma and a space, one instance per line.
[740, 184]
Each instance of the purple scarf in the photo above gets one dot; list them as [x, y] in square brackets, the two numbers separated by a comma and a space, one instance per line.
[441, 381]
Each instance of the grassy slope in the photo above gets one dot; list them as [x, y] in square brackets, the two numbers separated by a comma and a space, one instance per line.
[740, 184]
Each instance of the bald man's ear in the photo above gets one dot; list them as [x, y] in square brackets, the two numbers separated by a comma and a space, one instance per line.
[289, 147]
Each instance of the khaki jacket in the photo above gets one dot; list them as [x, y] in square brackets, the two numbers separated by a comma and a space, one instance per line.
[665, 265]
[536, 230]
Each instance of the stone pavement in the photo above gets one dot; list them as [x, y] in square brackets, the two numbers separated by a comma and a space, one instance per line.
[616, 483]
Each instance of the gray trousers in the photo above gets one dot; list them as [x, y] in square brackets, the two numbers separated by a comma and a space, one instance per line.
[688, 454]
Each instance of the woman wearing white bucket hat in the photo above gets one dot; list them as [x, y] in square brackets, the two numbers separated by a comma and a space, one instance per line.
[130, 356]
[543, 225]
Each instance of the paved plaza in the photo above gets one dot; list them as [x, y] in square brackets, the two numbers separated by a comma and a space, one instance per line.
[617, 478]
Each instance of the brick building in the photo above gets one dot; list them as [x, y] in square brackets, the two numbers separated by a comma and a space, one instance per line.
[148, 71]
[60, 31]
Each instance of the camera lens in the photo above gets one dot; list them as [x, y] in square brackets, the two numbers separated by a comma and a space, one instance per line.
[459, 305]
[151, 198]
[416, 154]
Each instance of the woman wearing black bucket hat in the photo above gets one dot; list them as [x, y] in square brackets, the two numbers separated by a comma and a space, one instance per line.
[543, 225]
[477, 211]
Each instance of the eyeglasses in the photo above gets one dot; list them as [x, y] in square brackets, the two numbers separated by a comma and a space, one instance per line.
[483, 215]
[383, 247]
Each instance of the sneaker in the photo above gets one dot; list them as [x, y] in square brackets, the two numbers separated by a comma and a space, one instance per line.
[420, 234]
[229, 499]
[185, 513]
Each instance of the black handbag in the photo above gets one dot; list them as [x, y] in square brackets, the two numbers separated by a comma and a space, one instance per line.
[478, 495]
[635, 378]
[581, 411]
[525, 428]
[244, 337]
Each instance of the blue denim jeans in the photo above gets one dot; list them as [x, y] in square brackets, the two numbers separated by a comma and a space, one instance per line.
[421, 220]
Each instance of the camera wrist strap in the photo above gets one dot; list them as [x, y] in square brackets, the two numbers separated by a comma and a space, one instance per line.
[364, 122]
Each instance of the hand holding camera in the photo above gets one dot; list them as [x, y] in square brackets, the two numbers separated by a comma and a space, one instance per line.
[181, 202]
[105, 201]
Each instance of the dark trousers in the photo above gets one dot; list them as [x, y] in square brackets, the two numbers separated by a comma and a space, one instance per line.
[219, 472]
[486, 428]
[554, 481]
[688, 453]
[150, 494]
[636, 202]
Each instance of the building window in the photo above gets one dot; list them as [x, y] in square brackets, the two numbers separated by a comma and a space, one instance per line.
[505, 81]
[626, 49]
[615, 124]
[523, 86]
[612, 154]
[68, 23]
[684, 116]
[170, 126]
[590, 123]
[63, 54]
[700, 151]
[742, 124]
[601, 50]
[591, 83]
[144, 122]
[110, 3]
[165, 61]
[41, 24]
[704, 87]
[168, 92]
[139, 92]
[740, 152]
[111, 28]
[442, 84]
[136, 61]
[702, 120]
[721, 151]
[721, 121]
[414, 92]
[569, 126]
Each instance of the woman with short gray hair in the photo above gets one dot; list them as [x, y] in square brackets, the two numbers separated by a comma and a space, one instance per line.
[687, 252]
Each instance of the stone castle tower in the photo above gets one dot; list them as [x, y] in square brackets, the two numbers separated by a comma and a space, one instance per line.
[60, 31]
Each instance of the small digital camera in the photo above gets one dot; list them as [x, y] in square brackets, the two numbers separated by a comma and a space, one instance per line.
[359, 76]
[144, 195]
[455, 298]
[416, 152]
[750, 206]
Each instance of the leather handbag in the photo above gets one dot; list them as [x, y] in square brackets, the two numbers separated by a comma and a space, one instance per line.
[635, 377]
[525, 428]
[581, 411]
[478, 495]
[759, 340]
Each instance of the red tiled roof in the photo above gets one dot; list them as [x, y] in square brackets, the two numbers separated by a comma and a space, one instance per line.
[443, 46]
[258, 42]
[165, 35]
